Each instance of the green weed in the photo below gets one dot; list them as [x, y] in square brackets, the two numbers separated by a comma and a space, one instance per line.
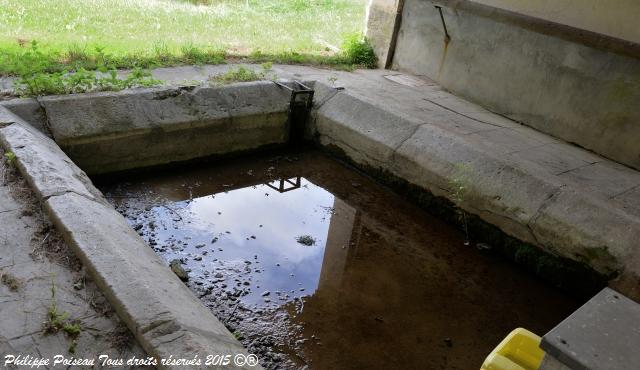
[458, 189]
[10, 157]
[358, 51]
[81, 81]
[58, 321]
[239, 74]
[10, 281]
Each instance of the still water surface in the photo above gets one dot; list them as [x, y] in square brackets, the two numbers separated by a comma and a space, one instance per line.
[313, 265]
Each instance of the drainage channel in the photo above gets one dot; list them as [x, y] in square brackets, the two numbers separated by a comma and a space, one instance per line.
[310, 264]
[299, 110]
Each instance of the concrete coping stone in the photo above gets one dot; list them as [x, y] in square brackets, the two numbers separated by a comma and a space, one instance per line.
[73, 118]
[162, 313]
[521, 199]
[602, 334]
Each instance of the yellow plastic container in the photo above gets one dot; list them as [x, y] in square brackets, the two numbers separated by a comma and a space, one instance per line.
[520, 350]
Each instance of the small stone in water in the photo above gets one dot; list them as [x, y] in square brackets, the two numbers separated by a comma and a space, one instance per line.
[306, 240]
[176, 267]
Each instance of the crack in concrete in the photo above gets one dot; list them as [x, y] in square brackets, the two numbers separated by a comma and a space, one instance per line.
[462, 114]
[545, 204]
[64, 192]
[47, 122]
[156, 324]
[573, 169]
[625, 191]
[6, 124]
[413, 132]
[334, 141]
[171, 339]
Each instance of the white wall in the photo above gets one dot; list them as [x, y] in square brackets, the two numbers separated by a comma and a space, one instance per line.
[617, 18]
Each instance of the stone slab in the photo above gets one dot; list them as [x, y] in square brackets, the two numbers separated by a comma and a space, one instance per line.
[162, 313]
[514, 177]
[367, 132]
[43, 164]
[29, 110]
[602, 334]
[103, 132]
[596, 178]
[587, 229]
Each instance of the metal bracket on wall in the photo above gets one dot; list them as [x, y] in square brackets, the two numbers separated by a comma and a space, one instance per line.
[447, 38]
[299, 110]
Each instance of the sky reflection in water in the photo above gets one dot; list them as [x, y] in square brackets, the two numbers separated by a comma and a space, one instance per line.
[253, 221]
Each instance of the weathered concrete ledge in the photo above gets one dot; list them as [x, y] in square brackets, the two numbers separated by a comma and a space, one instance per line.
[106, 132]
[543, 74]
[163, 314]
[520, 198]
[30, 111]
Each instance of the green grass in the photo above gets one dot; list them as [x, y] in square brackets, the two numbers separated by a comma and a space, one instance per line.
[59, 83]
[105, 34]
[242, 74]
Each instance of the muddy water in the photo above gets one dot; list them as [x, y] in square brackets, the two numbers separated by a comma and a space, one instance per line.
[313, 265]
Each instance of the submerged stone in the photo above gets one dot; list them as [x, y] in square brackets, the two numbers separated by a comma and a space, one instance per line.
[176, 267]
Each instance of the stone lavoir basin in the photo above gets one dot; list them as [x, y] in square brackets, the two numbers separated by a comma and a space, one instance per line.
[311, 264]
[302, 259]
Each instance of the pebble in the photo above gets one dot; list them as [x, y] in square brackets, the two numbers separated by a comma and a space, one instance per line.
[176, 267]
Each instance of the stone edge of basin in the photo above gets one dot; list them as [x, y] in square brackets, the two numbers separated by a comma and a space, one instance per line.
[526, 205]
[523, 203]
[103, 131]
[162, 313]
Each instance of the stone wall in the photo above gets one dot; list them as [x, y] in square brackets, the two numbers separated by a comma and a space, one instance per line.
[574, 84]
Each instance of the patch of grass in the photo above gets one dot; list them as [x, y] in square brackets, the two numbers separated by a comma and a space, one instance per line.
[80, 81]
[73, 34]
[10, 157]
[241, 74]
[59, 321]
[10, 282]
[238, 335]
[358, 51]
